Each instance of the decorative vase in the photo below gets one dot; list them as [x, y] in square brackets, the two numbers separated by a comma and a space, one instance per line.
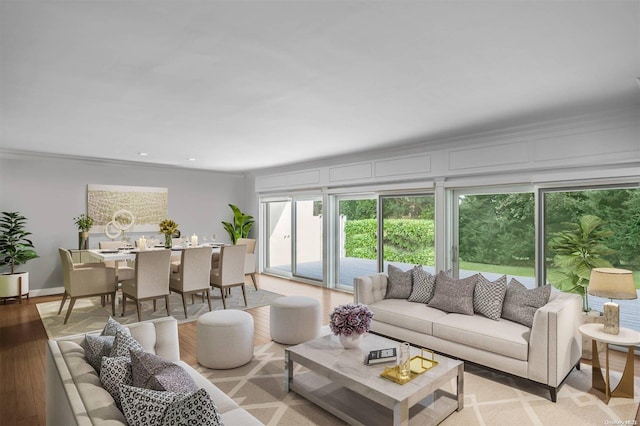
[167, 241]
[351, 342]
[83, 240]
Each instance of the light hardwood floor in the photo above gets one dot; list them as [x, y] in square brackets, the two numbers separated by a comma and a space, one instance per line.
[23, 338]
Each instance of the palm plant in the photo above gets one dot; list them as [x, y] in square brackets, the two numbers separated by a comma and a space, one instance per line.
[241, 225]
[15, 247]
[578, 250]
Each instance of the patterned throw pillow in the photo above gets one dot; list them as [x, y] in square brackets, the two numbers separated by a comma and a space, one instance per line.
[453, 295]
[488, 297]
[399, 283]
[521, 304]
[123, 343]
[194, 409]
[153, 372]
[114, 372]
[423, 285]
[95, 347]
[112, 327]
[150, 408]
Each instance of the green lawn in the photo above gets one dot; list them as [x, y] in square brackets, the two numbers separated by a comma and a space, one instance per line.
[520, 271]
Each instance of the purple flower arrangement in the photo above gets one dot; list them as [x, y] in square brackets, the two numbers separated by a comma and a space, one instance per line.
[349, 319]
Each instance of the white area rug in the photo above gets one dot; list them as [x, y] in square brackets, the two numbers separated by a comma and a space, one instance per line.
[88, 314]
[490, 398]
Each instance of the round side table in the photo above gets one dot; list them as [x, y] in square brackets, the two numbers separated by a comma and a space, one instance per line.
[626, 337]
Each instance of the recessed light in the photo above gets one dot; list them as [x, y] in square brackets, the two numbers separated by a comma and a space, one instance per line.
[191, 159]
[143, 154]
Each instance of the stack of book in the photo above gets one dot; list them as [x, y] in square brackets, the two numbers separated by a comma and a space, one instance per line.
[380, 356]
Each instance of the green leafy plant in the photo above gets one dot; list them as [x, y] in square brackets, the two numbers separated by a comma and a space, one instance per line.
[241, 225]
[83, 222]
[577, 250]
[168, 227]
[15, 247]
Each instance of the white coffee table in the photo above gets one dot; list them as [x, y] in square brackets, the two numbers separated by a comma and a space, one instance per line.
[339, 382]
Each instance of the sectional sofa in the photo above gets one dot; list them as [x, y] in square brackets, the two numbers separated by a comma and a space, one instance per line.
[544, 353]
[75, 396]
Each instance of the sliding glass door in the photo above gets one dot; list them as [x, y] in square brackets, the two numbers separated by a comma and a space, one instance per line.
[278, 233]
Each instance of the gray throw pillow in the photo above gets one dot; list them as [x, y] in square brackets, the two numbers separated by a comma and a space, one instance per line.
[123, 343]
[454, 295]
[161, 408]
[520, 304]
[423, 285]
[153, 372]
[399, 283]
[112, 327]
[488, 297]
[95, 347]
[114, 372]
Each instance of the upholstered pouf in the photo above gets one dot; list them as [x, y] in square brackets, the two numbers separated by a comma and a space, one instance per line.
[294, 319]
[224, 339]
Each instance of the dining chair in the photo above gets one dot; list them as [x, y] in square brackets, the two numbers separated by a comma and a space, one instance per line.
[85, 280]
[151, 280]
[230, 271]
[123, 270]
[250, 259]
[193, 276]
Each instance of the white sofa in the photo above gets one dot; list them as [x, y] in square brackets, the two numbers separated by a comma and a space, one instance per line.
[545, 353]
[74, 395]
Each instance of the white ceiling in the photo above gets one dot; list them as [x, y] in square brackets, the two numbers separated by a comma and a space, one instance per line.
[253, 84]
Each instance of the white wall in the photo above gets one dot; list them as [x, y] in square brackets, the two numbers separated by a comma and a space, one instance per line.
[51, 191]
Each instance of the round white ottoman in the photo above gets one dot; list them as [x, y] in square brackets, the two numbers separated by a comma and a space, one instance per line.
[294, 319]
[224, 339]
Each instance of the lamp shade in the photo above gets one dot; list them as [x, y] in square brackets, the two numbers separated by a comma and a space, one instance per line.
[612, 283]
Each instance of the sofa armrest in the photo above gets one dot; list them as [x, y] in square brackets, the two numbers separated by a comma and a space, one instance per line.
[555, 344]
[369, 289]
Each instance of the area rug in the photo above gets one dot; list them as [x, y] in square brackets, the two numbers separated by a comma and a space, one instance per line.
[88, 314]
[490, 398]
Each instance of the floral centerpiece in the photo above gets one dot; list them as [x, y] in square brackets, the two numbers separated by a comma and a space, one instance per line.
[350, 322]
[168, 227]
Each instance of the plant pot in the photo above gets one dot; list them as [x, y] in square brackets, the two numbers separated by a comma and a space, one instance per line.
[588, 318]
[14, 285]
[83, 240]
[351, 342]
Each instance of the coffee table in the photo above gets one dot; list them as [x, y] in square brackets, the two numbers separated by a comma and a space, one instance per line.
[339, 382]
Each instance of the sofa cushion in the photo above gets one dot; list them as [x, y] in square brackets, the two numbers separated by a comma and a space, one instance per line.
[412, 316]
[423, 285]
[123, 343]
[501, 337]
[153, 372]
[151, 407]
[454, 295]
[114, 372]
[95, 347]
[399, 285]
[520, 304]
[488, 296]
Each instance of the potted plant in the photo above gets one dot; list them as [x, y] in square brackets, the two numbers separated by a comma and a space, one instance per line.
[15, 249]
[241, 225]
[350, 322]
[84, 223]
[168, 228]
[578, 250]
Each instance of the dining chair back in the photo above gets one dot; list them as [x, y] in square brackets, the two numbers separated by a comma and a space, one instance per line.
[151, 279]
[250, 258]
[230, 271]
[85, 280]
[193, 274]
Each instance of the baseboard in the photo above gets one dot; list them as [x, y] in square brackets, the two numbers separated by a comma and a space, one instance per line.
[46, 291]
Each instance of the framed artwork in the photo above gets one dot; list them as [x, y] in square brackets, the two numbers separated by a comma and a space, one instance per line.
[116, 208]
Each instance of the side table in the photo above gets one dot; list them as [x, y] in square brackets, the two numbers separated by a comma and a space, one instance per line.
[626, 337]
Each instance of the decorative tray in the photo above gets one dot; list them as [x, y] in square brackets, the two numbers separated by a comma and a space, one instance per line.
[419, 364]
[108, 251]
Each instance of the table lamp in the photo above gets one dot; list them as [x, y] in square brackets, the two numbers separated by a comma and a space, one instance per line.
[612, 283]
